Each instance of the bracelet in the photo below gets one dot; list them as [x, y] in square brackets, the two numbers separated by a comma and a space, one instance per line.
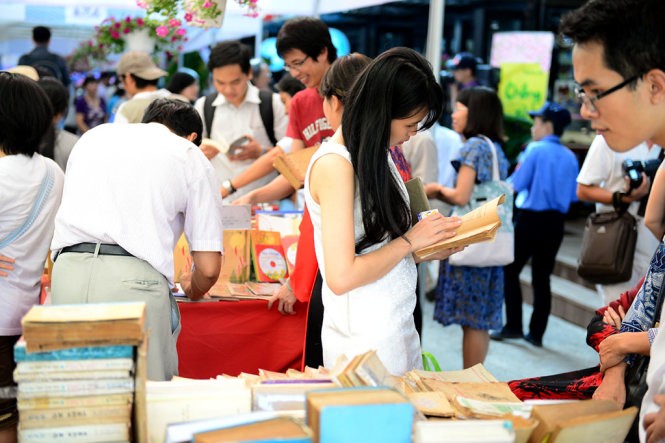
[226, 184]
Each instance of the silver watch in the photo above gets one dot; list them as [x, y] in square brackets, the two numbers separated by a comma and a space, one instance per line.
[226, 184]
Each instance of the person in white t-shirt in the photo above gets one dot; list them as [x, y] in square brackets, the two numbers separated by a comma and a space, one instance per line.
[129, 193]
[600, 177]
[30, 192]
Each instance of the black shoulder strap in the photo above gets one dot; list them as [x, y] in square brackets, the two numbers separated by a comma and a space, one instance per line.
[267, 115]
[209, 111]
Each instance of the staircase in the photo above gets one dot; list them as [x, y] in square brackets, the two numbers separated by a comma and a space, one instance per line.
[573, 298]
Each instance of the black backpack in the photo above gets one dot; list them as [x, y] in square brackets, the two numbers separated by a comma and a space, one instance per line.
[265, 109]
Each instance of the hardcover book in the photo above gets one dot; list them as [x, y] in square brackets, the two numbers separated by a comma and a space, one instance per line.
[268, 256]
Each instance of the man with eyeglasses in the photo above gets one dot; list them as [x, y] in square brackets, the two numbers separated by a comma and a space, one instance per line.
[619, 63]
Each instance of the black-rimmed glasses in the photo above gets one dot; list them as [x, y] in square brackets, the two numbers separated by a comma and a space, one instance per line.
[590, 101]
[297, 65]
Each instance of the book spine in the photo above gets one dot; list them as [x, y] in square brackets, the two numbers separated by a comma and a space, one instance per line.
[76, 434]
[102, 364]
[41, 418]
[71, 388]
[71, 402]
[82, 353]
[72, 375]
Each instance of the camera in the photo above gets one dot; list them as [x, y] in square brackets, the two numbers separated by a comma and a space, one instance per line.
[633, 169]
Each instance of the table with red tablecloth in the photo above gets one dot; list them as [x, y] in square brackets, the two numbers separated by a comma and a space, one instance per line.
[230, 337]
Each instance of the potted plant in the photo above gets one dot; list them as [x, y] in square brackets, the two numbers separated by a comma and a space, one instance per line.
[203, 13]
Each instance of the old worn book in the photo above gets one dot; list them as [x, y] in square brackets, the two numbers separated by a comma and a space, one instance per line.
[463, 431]
[587, 420]
[21, 353]
[432, 403]
[279, 429]
[48, 327]
[74, 388]
[418, 201]
[117, 432]
[479, 225]
[89, 401]
[58, 417]
[39, 367]
[368, 415]
[293, 166]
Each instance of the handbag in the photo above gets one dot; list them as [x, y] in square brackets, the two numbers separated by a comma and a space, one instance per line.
[500, 251]
[608, 246]
[635, 377]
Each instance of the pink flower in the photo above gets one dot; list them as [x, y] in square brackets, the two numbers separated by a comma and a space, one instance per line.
[126, 31]
[116, 25]
[188, 16]
[174, 38]
[141, 4]
[207, 4]
[162, 31]
[128, 19]
[115, 34]
[174, 22]
[90, 43]
[181, 31]
[140, 22]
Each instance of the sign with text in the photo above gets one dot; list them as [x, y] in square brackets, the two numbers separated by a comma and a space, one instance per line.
[523, 88]
[522, 47]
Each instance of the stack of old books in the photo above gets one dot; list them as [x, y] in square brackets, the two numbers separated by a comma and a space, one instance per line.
[77, 371]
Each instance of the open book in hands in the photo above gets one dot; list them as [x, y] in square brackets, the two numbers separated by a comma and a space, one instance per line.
[477, 226]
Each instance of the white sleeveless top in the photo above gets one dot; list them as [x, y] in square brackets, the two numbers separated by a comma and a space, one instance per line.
[378, 315]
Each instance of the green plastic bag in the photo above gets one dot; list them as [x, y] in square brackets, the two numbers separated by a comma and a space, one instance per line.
[430, 363]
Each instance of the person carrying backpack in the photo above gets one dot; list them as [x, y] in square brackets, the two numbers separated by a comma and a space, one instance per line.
[238, 111]
[47, 63]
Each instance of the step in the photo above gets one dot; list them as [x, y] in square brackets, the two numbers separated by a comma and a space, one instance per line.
[570, 301]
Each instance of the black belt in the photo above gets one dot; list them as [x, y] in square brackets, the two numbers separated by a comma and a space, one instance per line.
[104, 249]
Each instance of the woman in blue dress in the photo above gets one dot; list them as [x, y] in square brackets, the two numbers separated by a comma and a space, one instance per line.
[472, 297]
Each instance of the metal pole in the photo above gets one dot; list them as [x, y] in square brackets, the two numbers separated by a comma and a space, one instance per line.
[435, 34]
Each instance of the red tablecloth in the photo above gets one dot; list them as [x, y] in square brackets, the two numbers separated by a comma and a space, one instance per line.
[234, 337]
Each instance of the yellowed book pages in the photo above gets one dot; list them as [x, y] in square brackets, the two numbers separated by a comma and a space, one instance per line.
[490, 392]
[83, 313]
[45, 418]
[432, 403]
[550, 417]
[609, 427]
[273, 429]
[479, 225]
[293, 166]
[474, 374]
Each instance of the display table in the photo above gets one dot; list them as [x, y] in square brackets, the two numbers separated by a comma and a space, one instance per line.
[228, 337]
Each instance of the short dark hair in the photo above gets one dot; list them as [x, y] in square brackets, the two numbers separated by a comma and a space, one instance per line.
[485, 113]
[142, 83]
[308, 34]
[180, 81]
[341, 75]
[289, 85]
[25, 114]
[41, 34]
[230, 53]
[180, 117]
[57, 94]
[631, 33]
[89, 79]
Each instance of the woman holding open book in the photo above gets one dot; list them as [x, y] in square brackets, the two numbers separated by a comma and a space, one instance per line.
[472, 297]
[359, 208]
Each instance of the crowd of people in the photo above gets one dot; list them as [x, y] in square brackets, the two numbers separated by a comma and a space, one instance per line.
[110, 202]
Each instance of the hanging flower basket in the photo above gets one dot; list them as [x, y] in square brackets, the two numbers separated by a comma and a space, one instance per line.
[203, 13]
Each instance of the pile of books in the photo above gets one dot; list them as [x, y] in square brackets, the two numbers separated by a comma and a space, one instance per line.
[77, 370]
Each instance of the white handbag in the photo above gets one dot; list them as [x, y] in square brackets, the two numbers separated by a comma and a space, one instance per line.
[501, 250]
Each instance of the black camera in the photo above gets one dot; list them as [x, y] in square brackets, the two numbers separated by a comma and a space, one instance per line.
[633, 169]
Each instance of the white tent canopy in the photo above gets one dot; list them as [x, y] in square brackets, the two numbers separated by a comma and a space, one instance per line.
[73, 21]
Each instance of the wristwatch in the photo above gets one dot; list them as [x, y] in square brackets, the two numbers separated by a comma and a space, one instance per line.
[228, 186]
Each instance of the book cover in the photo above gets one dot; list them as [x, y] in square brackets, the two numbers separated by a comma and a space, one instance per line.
[293, 166]
[43, 418]
[77, 434]
[479, 225]
[268, 256]
[461, 431]
[370, 415]
[81, 353]
[104, 364]
[290, 246]
[75, 402]
[285, 223]
[72, 375]
[182, 259]
[274, 430]
[262, 289]
[73, 388]
[418, 201]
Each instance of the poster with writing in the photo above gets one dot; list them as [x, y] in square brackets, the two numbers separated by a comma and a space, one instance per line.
[523, 88]
[522, 47]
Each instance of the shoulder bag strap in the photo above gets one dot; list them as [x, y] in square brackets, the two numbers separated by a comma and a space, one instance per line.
[495, 160]
[44, 190]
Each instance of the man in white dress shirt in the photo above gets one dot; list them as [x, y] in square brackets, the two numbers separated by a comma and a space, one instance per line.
[130, 191]
[236, 113]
